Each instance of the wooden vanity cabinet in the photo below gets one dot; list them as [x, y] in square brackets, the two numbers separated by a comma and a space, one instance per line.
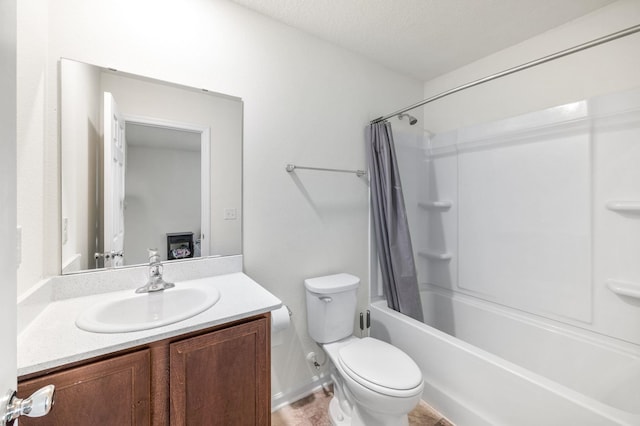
[222, 378]
[114, 391]
[218, 376]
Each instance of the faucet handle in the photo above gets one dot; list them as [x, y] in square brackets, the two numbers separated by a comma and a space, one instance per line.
[154, 256]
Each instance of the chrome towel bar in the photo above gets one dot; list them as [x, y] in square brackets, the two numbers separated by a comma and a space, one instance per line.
[291, 167]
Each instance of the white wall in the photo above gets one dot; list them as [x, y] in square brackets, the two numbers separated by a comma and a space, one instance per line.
[305, 101]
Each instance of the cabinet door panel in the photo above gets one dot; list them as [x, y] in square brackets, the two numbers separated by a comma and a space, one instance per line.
[222, 378]
[114, 391]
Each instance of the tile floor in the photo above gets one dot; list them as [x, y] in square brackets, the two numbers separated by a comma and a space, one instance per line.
[312, 411]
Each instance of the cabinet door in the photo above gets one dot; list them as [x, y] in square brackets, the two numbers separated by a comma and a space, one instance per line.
[114, 391]
[222, 378]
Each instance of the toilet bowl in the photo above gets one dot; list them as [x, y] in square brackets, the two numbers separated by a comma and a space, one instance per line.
[375, 383]
[382, 383]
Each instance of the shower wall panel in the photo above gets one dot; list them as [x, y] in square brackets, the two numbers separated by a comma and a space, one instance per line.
[437, 252]
[518, 213]
[525, 222]
[616, 133]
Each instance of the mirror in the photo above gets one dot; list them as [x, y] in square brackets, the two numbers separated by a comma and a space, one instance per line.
[146, 164]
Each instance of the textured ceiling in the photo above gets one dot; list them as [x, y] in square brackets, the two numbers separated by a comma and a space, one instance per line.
[424, 38]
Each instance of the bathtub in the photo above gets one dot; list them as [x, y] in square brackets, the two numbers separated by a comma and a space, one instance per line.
[507, 368]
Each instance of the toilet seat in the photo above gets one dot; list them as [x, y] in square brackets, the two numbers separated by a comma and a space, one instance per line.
[381, 367]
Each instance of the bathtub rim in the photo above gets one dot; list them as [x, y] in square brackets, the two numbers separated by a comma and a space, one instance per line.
[549, 324]
[585, 402]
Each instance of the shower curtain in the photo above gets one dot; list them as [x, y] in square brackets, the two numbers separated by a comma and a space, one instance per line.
[393, 240]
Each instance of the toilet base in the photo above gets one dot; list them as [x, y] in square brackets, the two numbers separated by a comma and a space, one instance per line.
[368, 418]
[339, 417]
[336, 415]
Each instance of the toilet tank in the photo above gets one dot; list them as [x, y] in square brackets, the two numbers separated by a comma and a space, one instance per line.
[331, 306]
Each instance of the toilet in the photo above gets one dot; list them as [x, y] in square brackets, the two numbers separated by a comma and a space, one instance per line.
[375, 383]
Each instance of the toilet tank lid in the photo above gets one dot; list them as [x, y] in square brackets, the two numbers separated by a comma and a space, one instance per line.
[332, 283]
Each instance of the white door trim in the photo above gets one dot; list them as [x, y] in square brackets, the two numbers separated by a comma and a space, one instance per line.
[8, 209]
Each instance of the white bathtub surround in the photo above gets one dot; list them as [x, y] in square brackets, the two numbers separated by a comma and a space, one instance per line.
[531, 269]
[530, 225]
[50, 338]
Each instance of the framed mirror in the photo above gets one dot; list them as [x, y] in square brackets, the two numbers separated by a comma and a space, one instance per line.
[146, 164]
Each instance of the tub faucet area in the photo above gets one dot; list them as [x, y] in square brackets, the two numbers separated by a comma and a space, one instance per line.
[155, 281]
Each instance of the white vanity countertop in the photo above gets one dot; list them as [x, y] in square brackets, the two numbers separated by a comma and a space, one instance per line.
[52, 339]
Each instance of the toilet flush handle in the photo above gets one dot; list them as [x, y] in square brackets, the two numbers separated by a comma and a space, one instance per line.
[326, 299]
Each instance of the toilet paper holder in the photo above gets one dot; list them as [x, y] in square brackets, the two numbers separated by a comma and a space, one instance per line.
[280, 319]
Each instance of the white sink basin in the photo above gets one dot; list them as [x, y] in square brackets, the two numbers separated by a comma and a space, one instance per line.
[134, 312]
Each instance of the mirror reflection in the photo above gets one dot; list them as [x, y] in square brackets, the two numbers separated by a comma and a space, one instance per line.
[146, 164]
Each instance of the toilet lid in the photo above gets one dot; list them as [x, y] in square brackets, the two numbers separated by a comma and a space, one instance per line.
[380, 366]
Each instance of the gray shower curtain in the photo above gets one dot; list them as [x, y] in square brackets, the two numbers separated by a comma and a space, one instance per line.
[393, 240]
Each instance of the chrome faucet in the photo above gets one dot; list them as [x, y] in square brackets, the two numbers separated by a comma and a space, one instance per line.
[155, 281]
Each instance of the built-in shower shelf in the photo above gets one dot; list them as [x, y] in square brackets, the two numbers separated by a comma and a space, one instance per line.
[436, 205]
[435, 255]
[624, 288]
[624, 206]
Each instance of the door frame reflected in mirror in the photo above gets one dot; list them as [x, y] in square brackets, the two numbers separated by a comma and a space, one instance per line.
[201, 239]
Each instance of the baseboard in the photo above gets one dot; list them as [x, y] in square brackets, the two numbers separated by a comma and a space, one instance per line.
[283, 399]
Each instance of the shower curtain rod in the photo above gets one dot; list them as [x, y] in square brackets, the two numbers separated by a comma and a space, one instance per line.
[575, 49]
